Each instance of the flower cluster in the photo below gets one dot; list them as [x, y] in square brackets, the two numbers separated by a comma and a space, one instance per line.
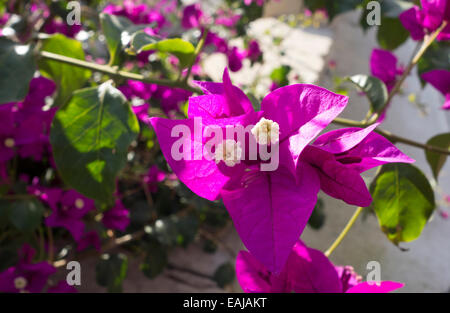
[307, 270]
[25, 125]
[29, 276]
[425, 20]
[271, 208]
[266, 161]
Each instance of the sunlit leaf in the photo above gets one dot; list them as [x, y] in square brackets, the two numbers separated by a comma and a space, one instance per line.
[90, 136]
[183, 50]
[374, 89]
[67, 77]
[403, 201]
[437, 160]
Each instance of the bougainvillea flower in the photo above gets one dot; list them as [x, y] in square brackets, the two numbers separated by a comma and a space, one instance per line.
[134, 88]
[235, 57]
[7, 126]
[89, 239]
[307, 270]
[68, 210]
[26, 276]
[384, 65]
[421, 21]
[25, 125]
[340, 156]
[219, 43]
[258, 2]
[58, 26]
[226, 18]
[62, 287]
[170, 98]
[118, 217]
[138, 93]
[138, 13]
[253, 52]
[153, 177]
[53, 24]
[348, 277]
[273, 86]
[269, 208]
[440, 79]
[192, 15]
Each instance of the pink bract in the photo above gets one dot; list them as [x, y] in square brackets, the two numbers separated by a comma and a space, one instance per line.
[271, 208]
[307, 270]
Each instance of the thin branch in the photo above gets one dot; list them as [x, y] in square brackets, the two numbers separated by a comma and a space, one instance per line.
[116, 72]
[392, 137]
[50, 245]
[426, 44]
[344, 232]
[184, 85]
[197, 51]
[107, 247]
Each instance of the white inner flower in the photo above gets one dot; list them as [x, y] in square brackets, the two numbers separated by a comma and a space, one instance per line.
[20, 282]
[266, 132]
[228, 151]
[79, 203]
[9, 142]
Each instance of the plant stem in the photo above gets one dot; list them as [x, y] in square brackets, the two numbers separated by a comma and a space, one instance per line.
[344, 232]
[426, 44]
[197, 51]
[185, 85]
[109, 246]
[116, 72]
[41, 244]
[391, 137]
[50, 245]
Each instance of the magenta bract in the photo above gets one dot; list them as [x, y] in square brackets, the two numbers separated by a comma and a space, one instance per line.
[271, 208]
[307, 270]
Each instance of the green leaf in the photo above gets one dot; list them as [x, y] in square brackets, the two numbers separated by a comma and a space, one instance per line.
[8, 255]
[17, 67]
[280, 75]
[393, 8]
[437, 160]
[111, 270]
[374, 89]
[437, 56]
[90, 136]
[183, 50]
[26, 215]
[391, 33]
[224, 275]
[155, 259]
[317, 218]
[333, 8]
[113, 26]
[389, 8]
[403, 201]
[67, 77]
[118, 31]
[139, 40]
